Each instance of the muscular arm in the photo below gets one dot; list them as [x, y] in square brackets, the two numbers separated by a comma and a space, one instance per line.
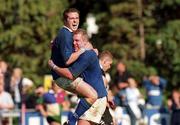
[78, 51]
[65, 42]
[74, 56]
[64, 72]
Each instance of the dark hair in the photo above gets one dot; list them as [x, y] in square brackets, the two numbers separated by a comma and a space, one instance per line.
[69, 10]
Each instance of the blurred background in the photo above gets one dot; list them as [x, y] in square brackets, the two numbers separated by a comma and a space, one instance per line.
[143, 34]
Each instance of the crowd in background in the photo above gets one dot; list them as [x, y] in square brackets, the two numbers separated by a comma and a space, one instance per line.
[16, 90]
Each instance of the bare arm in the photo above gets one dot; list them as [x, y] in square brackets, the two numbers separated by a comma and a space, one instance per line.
[61, 71]
[78, 51]
[74, 56]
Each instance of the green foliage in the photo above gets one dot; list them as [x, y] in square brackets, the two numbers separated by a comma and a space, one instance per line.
[166, 54]
[119, 33]
[26, 29]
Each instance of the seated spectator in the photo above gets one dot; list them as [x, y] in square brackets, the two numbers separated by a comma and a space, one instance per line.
[133, 98]
[121, 75]
[121, 81]
[6, 102]
[4, 67]
[16, 86]
[19, 86]
[154, 86]
[48, 107]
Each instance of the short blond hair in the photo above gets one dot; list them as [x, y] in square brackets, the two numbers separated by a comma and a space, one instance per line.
[105, 54]
[83, 33]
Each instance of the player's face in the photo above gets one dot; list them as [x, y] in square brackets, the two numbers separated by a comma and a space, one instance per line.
[107, 64]
[72, 21]
[78, 41]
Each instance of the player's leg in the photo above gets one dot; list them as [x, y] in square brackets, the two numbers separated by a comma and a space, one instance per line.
[107, 118]
[81, 88]
[95, 112]
[78, 86]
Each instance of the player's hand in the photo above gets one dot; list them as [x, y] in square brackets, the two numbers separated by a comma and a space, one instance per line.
[51, 64]
[96, 51]
[112, 104]
[110, 101]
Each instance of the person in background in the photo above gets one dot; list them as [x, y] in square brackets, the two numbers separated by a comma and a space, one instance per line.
[20, 87]
[154, 86]
[122, 75]
[16, 86]
[6, 102]
[133, 97]
[28, 96]
[174, 105]
[47, 105]
[7, 75]
[121, 81]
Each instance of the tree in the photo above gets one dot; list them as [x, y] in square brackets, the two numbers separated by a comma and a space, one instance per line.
[26, 29]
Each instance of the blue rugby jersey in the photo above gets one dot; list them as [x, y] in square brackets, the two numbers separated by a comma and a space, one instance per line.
[154, 92]
[62, 49]
[88, 67]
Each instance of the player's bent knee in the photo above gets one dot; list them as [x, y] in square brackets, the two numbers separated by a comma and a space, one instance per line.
[93, 98]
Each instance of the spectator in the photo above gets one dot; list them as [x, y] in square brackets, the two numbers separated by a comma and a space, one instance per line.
[174, 105]
[133, 96]
[121, 75]
[48, 107]
[16, 86]
[121, 78]
[28, 97]
[6, 102]
[7, 75]
[19, 86]
[154, 86]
